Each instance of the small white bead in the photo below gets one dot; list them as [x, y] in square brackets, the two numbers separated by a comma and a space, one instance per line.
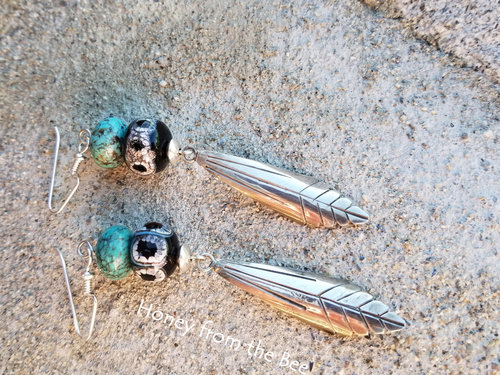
[173, 151]
[184, 258]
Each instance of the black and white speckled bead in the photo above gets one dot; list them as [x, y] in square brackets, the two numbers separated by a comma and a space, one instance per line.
[146, 146]
[154, 252]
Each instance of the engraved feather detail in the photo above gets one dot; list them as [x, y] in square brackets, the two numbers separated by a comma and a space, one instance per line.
[302, 198]
[331, 304]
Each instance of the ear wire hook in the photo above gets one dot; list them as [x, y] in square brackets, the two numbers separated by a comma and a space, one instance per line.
[87, 276]
[84, 137]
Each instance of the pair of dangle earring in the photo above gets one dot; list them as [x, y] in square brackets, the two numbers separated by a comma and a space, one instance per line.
[147, 147]
[154, 253]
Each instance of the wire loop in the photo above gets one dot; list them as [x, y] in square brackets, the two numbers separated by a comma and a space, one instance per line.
[84, 142]
[200, 259]
[189, 154]
[87, 277]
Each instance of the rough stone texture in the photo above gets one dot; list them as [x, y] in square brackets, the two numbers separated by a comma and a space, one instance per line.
[328, 88]
[467, 29]
[112, 252]
[107, 142]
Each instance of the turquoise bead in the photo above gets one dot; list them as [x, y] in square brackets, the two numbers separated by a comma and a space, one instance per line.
[112, 252]
[107, 143]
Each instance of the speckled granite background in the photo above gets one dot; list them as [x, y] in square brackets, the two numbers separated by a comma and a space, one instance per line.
[332, 89]
[465, 29]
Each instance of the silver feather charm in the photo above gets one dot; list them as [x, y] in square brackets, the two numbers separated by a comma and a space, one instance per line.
[301, 198]
[330, 304]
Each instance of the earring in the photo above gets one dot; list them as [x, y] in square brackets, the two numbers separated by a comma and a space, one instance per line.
[154, 252]
[147, 147]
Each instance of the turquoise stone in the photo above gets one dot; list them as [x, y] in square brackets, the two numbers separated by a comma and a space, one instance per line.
[112, 252]
[107, 143]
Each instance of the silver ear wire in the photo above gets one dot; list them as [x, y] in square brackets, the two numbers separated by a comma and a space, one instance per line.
[87, 276]
[83, 146]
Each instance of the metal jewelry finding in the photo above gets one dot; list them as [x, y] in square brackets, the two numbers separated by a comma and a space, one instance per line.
[203, 258]
[87, 277]
[189, 154]
[84, 138]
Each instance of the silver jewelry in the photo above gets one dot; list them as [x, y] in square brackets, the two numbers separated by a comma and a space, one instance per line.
[147, 146]
[331, 304]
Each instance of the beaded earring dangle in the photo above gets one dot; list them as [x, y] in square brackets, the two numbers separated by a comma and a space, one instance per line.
[147, 147]
[154, 252]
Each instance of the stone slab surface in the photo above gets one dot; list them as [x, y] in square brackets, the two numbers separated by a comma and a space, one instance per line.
[327, 88]
[466, 29]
